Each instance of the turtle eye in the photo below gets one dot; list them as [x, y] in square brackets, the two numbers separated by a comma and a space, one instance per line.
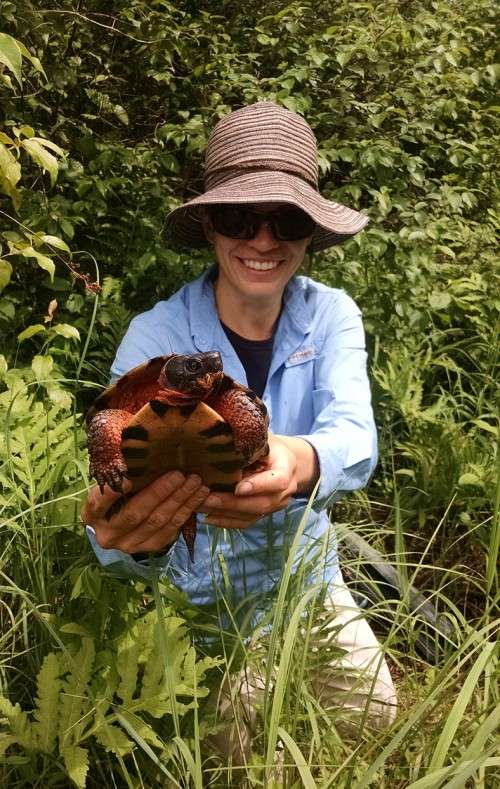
[192, 365]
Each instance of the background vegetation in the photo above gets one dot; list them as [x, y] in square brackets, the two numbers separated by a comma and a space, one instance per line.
[105, 112]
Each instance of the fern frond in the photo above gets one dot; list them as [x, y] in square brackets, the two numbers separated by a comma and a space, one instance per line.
[47, 704]
[113, 739]
[75, 703]
[19, 723]
[76, 760]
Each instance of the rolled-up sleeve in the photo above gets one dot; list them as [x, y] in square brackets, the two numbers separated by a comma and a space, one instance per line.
[343, 433]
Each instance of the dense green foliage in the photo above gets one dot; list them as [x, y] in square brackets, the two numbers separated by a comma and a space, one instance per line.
[104, 116]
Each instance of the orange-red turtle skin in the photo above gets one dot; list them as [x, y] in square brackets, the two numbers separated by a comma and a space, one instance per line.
[176, 412]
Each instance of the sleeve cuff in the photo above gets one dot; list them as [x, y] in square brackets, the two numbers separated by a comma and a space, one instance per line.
[125, 565]
[335, 477]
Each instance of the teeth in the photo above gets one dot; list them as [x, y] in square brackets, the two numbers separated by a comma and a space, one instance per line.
[261, 265]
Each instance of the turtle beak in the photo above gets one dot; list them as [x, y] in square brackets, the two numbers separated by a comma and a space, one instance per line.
[213, 362]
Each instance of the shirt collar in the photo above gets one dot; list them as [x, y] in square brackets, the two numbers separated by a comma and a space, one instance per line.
[296, 316]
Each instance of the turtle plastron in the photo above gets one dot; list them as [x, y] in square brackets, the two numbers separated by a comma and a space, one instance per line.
[150, 435]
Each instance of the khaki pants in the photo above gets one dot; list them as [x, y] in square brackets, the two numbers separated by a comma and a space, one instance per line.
[355, 688]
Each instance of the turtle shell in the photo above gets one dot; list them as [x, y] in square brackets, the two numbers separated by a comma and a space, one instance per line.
[133, 421]
[192, 439]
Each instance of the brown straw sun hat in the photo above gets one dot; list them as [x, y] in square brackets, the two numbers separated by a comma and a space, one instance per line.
[263, 153]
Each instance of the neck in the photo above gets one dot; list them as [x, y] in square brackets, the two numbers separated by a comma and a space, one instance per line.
[253, 318]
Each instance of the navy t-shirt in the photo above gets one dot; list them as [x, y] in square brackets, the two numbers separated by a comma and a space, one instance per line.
[255, 356]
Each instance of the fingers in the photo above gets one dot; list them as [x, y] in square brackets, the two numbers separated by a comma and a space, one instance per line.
[151, 518]
[225, 519]
[270, 481]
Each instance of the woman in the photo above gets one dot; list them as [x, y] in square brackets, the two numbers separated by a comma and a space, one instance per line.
[300, 345]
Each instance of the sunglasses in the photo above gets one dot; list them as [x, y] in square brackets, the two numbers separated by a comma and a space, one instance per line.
[286, 224]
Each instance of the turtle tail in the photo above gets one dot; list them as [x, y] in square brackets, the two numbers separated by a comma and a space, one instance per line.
[189, 534]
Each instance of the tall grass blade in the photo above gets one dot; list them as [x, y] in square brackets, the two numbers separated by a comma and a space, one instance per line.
[283, 673]
[141, 742]
[458, 709]
[162, 637]
[307, 780]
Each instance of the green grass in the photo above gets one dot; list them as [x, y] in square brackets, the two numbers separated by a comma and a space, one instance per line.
[68, 637]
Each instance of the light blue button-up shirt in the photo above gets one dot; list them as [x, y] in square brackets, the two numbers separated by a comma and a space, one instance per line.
[317, 389]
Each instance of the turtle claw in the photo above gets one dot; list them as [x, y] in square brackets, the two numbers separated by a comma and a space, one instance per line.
[113, 477]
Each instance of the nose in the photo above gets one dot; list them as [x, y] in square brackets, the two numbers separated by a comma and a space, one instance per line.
[264, 239]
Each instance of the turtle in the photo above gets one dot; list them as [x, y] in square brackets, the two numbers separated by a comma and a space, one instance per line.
[179, 411]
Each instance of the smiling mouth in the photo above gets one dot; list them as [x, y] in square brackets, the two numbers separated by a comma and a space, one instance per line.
[260, 265]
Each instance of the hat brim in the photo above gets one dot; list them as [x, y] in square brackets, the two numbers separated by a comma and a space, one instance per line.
[335, 222]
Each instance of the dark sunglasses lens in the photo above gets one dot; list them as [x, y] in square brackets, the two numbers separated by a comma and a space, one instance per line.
[293, 224]
[231, 221]
[238, 222]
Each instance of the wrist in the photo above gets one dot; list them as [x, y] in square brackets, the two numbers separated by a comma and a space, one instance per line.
[307, 469]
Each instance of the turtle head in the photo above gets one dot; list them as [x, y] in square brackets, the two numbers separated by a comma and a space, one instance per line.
[195, 375]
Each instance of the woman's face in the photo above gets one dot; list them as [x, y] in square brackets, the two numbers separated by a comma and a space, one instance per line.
[260, 267]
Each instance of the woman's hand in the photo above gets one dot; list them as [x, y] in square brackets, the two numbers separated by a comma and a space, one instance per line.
[151, 519]
[262, 492]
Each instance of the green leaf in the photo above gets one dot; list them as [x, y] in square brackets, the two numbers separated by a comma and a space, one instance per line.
[66, 330]
[76, 760]
[302, 766]
[10, 173]
[32, 59]
[121, 114]
[59, 397]
[42, 366]
[36, 328]
[43, 261]
[470, 479]
[5, 273]
[10, 55]
[47, 702]
[55, 241]
[42, 157]
[439, 301]
[456, 714]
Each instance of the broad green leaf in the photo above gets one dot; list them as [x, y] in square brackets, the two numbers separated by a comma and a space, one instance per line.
[121, 114]
[470, 479]
[43, 261]
[59, 397]
[10, 55]
[66, 330]
[439, 301]
[10, 174]
[55, 241]
[32, 58]
[42, 157]
[27, 131]
[42, 366]
[5, 273]
[36, 328]
[49, 144]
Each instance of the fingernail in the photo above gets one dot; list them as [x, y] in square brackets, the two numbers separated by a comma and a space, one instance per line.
[244, 488]
[213, 501]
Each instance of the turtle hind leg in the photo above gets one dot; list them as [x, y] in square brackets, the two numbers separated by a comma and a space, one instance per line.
[189, 534]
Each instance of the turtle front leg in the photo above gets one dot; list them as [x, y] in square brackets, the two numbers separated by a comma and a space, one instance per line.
[107, 464]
